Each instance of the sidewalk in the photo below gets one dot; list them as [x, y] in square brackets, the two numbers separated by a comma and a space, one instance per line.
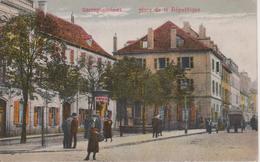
[132, 139]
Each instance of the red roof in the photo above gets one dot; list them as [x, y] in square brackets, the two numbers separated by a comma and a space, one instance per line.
[162, 42]
[69, 32]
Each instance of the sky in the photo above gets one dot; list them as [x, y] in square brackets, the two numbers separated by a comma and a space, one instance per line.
[231, 24]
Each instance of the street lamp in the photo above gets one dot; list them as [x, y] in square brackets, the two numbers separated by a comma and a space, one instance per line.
[186, 88]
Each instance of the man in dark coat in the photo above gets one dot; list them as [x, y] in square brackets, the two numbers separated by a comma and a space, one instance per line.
[93, 145]
[74, 129]
[66, 133]
[155, 125]
[66, 127]
[107, 129]
[253, 123]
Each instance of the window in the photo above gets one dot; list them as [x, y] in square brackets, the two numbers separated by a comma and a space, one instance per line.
[90, 60]
[37, 116]
[213, 64]
[220, 90]
[217, 67]
[185, 62]
[162, 63]
[18, 113]
[72, 56]
[179, 42]
[144, 44]
[216, 88]
[53, 116]
[213, 86]
[99, 60]
[141, 62]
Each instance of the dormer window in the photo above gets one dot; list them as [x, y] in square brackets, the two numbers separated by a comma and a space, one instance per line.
[179, 42]
[88, 39]
[89, 42]
[144, 44]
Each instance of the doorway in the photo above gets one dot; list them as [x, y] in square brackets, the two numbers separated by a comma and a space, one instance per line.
[2, 117]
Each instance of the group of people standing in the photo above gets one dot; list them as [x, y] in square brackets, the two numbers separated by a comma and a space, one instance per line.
[92, 132]
[70, 129]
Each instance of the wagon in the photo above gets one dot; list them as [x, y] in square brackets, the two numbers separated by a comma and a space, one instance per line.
[235, 120]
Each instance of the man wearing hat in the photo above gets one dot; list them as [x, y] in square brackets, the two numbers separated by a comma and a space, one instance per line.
[74, 129]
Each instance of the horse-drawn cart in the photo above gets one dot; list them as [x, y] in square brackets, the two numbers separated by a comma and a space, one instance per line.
[235, 120]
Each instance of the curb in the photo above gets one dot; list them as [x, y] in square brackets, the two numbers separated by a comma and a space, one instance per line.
[104, 147]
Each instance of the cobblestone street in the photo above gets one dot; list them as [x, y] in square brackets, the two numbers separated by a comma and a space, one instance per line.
[197, 147]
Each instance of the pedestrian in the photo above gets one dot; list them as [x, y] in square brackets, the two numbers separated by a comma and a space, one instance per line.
[155, 124]
[93, 145]
[74, 129]
[208, 125]
[87, 126]
[253, 123]
[107, 129]
[68, 123]
[160, 126]
[66, 132]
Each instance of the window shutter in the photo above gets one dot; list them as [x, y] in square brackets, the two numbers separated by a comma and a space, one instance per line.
[35, 117]
[191, 62]
[144, 63]
[179, 61]
[57, 117]
[155, 64]
[16, 112]
[72, 56]
[167, 62]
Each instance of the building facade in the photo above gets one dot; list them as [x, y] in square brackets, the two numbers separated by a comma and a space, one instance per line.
[226, 88]
[78, 44]
[8, 9]
[235, 85]
[202, 64]
[245, 82]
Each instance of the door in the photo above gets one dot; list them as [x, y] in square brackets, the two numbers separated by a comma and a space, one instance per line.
[2, 118]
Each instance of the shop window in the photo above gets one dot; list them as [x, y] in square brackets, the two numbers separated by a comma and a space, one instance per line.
[18, 113]
[53, 117]
[38, 116]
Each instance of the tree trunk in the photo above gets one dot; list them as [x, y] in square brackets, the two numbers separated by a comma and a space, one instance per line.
[143, 117]
[25, 103]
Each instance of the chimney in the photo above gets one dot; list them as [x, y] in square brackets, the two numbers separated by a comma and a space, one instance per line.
[72, 18]
[42, 5]
[115, 43]
[173, 38]
[150, 38]
[202, 31]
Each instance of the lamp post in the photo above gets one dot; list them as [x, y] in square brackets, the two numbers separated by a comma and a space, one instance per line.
[186, 114]
[186, 88]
